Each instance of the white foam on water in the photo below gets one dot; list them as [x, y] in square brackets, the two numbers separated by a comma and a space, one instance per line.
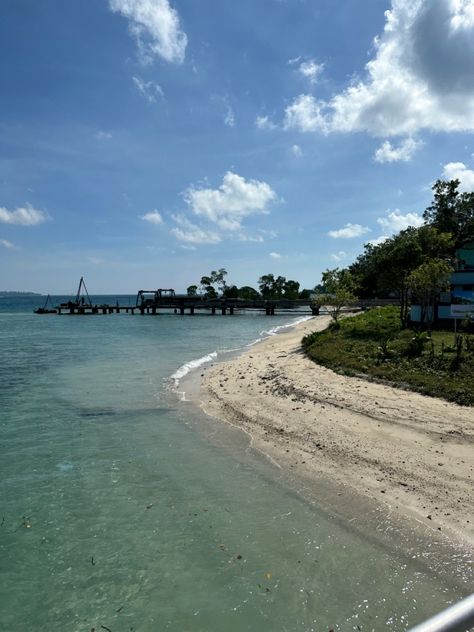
[186, 368]
[276, 330]
[190, 366]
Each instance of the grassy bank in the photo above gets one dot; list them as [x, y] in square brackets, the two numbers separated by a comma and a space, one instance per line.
[374, 345]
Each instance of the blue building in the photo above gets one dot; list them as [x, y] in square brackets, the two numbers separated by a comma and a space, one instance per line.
[459, 301]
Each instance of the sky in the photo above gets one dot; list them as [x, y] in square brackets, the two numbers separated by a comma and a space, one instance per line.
[144, 143]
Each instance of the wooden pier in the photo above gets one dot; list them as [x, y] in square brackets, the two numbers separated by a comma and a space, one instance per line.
[155, 302]
[163, 301]
[74, 309]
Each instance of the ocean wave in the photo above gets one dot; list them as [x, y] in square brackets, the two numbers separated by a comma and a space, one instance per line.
[189, 366]
[276, 330]
[186, 368]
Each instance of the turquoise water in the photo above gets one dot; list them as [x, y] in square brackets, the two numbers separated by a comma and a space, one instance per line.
[121, 507]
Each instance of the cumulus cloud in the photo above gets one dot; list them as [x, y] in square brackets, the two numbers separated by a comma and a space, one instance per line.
[349, 231]
[339, 256]
[23, 216]
[265, 123]
[190, 233]
[153, 217]
[306, 114]
[156, 27]
[420, 77]
[149, 90]
[6, 244]
[378, 240]
[311, 70]
[459, 171]
[215, 214]
[395, 221]
[234, 200]
[275, 255]
[393, 153]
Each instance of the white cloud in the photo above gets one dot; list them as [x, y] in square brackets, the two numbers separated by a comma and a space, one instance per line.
[258, 239]
[393, 153]
[229, 118]
[156, 28]
[420, 77]
[378, 240]
[153, 217]
[23, 216]
[305, 114]
[296, 151]
[192, 234]
[265, 123]
[6, 244]
[149, 90]
[349, 231]
[459, 171]
[339, 256]
[395, 221]
[311, 70]
[100, 135]
[235, 199]
[275, 255]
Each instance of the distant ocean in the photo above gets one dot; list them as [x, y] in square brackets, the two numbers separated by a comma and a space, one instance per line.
[123, 508]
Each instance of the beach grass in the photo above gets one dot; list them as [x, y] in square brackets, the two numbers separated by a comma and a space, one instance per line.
[374, 345]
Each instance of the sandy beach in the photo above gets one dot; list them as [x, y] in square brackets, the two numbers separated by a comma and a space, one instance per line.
[411, 454]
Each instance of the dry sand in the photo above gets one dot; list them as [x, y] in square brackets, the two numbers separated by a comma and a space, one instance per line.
[412, 453]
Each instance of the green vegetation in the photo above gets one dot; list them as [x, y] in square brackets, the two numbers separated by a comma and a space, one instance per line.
[335, 293]
[374, 344]
[214, 285]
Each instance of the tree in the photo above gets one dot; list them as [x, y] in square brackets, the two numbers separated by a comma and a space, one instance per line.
[452, 212]
[192, 290]
[209, 290]
[275, 288]
[338, 292]
[218, 277]
[337, 279]
[383, 270]
[291, 289]
[231, 291]
[248, 293]
[426, 281]
[266, 283]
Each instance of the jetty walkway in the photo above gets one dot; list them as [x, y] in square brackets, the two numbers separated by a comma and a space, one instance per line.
[156, 302]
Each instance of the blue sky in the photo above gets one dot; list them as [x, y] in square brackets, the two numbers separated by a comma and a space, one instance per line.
[144, 143]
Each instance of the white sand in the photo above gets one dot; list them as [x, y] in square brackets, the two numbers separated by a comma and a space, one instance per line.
[411, 452]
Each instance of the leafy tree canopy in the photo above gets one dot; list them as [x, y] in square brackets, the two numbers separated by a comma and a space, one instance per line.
[452, 212]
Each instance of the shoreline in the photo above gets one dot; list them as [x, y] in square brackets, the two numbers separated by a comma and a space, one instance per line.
[360, 446]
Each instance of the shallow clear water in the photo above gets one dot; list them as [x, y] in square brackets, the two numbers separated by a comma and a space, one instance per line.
[121, 509]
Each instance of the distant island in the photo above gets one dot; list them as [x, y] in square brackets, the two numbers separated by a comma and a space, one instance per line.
[13, 293]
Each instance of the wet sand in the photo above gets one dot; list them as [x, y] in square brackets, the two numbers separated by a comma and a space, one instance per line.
[407, 453]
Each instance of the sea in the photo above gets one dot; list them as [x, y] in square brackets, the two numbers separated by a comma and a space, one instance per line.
[124, 508]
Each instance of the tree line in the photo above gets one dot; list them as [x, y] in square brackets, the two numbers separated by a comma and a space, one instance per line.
[214, 285]
[415, 263]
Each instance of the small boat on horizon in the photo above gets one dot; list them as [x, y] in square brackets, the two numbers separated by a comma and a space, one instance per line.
[45, 309]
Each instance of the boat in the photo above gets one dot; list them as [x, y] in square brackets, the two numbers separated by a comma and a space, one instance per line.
[45, 309]
[82, 299]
